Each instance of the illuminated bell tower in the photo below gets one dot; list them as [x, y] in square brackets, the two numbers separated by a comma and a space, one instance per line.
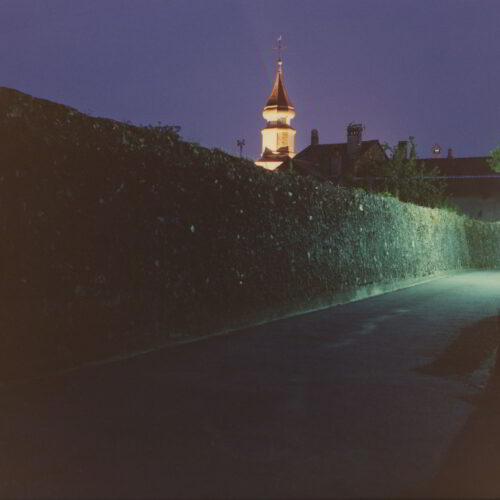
[278, 138]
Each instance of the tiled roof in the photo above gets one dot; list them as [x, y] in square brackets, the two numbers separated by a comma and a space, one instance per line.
[321, 154]
[279, 96]
[270, 156]
[460, 166]
[464, 176]
[302, 167]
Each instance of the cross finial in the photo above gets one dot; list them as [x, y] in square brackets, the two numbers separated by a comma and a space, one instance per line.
[279, 48]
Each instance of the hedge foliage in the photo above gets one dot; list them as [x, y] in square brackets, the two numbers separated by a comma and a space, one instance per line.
[116, 238]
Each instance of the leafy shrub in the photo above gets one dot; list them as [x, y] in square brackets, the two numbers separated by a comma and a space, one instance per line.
[404, 177]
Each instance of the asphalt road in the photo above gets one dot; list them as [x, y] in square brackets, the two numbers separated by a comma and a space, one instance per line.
[329, 404]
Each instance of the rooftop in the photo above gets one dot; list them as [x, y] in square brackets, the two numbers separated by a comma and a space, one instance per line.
[279, 95]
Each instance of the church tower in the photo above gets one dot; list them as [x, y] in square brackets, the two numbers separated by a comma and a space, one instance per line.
[278, 137]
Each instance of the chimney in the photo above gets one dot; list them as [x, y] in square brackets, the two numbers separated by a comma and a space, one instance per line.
[354, 137]
[403, 146]
[314, 137]
[450, 153]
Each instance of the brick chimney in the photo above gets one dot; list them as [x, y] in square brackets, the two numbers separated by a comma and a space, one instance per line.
[354, 138]
[450, 153]
[314, 137]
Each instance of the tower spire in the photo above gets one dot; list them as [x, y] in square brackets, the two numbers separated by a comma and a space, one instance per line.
[278, 137]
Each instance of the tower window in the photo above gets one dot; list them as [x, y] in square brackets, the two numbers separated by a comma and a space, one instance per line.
[282, 140]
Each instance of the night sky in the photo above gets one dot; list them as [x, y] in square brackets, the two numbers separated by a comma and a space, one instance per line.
[424, 68]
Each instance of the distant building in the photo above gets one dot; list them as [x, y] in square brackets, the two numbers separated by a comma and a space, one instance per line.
[472, 186]
[278, 137]
[335, 161]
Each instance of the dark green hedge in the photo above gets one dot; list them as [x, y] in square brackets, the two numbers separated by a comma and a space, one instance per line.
[116, 238]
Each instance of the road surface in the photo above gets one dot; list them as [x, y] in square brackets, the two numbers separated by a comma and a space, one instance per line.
[329, 404]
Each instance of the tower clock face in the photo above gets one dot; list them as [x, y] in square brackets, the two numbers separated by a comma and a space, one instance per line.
[436, 149]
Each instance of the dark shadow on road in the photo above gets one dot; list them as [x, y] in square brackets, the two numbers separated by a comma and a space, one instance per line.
[472, 466]
[468, 351]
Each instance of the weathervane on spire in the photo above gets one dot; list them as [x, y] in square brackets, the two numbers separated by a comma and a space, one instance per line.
[279, 48]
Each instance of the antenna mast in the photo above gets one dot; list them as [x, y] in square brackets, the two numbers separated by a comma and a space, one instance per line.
[241, 144]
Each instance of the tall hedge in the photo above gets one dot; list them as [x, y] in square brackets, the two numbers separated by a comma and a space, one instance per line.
[116, 238]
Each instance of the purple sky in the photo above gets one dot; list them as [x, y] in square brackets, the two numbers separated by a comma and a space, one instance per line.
[424, 68]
